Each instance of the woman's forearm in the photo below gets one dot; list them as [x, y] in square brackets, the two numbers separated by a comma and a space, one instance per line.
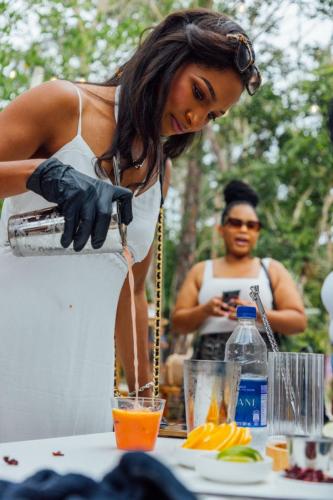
[145, 374]
[124, 339]
[14, 176]
[287, 321]
[189, 319]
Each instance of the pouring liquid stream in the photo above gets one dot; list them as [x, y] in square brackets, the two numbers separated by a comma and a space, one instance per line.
[128, 257]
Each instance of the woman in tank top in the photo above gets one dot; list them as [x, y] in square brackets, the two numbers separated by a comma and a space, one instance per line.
[212, 289]
[58, 141]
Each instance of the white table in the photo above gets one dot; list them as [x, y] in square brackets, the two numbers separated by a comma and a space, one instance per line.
[95, 454]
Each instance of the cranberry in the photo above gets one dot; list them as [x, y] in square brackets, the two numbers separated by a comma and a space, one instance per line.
[10, 461]
[308, 474]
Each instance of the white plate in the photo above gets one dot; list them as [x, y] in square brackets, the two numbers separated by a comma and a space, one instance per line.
[233, 472]
[188, 458]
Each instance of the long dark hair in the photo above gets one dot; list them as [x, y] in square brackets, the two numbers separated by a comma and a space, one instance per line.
[188, 36]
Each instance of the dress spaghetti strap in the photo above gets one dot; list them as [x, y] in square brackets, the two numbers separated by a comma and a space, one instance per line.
[80, 109]
[208, 272]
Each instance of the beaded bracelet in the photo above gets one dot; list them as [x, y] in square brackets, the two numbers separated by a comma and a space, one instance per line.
[142, 388]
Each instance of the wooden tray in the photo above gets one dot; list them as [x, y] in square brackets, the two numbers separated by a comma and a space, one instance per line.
[173, 431]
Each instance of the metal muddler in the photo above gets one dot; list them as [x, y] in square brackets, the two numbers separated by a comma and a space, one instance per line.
[254, 294]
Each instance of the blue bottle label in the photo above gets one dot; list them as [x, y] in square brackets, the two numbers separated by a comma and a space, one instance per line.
[251, 409]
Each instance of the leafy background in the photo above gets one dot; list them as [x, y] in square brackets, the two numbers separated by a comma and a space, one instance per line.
[277, 141]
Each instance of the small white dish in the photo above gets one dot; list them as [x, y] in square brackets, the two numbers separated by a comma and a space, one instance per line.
[188, 458]
[233, 472]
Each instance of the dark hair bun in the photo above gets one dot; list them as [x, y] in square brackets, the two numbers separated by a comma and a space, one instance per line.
[240, 191]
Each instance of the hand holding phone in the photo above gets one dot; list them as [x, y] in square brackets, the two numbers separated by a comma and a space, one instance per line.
[229, 296]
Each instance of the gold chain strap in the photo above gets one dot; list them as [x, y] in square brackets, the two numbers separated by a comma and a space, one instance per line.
[158, 303]
[116, 391]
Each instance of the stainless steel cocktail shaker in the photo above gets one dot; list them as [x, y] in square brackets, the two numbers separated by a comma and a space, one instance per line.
[39, 233]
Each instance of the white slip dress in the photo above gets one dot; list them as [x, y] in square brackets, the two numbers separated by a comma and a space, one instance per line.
[57, 319]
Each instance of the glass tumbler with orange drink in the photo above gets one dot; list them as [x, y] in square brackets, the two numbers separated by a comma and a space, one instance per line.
[136, 422]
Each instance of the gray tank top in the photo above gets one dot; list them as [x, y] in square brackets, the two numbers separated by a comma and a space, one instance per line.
[213, 286]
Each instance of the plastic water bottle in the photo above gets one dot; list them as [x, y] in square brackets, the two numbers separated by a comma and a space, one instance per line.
[247, 347]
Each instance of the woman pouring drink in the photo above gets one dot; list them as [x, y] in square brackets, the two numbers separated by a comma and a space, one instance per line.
[59, 314]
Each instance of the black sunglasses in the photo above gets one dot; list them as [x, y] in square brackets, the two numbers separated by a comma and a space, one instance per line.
[244, 60]
[252, 225]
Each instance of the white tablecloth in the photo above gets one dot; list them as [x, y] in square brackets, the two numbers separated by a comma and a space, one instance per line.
[94, 455]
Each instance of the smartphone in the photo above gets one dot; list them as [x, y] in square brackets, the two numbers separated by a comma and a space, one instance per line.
[230, 295]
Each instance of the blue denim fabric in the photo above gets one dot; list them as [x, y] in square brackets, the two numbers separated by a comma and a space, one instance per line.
[137, 477]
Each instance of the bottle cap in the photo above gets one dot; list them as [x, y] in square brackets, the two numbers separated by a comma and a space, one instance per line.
[246, 312]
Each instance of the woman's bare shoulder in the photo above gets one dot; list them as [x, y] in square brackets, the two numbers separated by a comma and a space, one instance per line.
[278, 271]
[35, 119]
[196, 272]
[43, 107]
[276, 266]
[198, 267]
[58, 96]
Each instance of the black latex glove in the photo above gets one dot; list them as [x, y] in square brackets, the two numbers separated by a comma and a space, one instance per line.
[85, 202]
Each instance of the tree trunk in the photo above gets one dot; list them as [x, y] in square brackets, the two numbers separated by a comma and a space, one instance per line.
[187, 241]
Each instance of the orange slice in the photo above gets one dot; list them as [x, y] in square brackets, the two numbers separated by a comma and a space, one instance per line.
[234, 438]
[210, 436]
[196, 435]
[242, 436]
[213, 441]
[232, 429]
[193, 436]
[209, 427]
[246, 437]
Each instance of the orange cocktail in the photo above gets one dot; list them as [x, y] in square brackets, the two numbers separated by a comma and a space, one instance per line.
[137, 422]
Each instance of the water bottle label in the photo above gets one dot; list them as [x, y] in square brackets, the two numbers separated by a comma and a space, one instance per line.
[251, 410]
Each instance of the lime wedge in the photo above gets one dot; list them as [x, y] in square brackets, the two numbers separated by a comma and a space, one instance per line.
[236, 458]
[241, 451]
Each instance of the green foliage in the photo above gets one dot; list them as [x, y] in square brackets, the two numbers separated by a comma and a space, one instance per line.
[169, 254]
[314, 339]
[287, 158]
[276, 140]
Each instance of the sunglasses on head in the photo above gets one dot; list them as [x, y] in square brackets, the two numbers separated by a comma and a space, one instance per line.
[252, 225]
[244, 60]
